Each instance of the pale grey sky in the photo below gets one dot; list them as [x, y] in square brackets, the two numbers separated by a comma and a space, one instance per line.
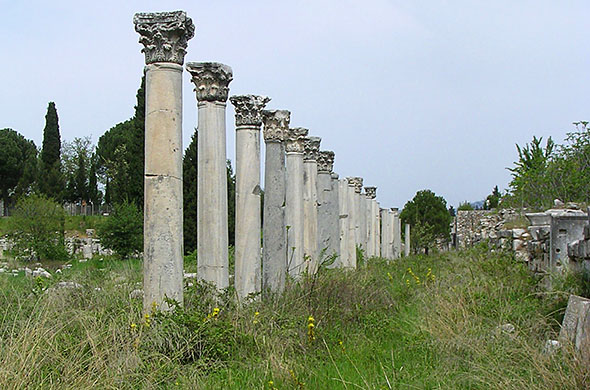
[409, 94]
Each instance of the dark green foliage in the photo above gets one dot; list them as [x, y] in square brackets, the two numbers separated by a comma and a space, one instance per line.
[122, 231]
[231, 203]
[37, 227]
[493, 199]
[190, 195]
[77, 160]
[94, 194]
[121, 156]
[52, 181]
[18, 162]
[430, 220]
[452, 211]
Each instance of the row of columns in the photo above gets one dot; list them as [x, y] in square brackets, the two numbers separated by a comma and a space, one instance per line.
[309, 214]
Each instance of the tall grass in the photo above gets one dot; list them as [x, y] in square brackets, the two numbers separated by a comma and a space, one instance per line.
[415, 323]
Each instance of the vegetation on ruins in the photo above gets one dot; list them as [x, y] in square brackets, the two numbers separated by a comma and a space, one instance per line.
[50, 170]
[419, 322]
[122, 231]
[37, 228]
[551, 171]
[189, 188]
[465, 206]
[492, 200]
[18, 165]
[429, 218]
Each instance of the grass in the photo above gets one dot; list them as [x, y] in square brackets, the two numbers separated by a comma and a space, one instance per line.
[416, 323]
[73, 223]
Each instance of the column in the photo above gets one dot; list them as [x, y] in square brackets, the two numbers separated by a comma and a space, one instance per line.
[164, 36]
[344, 260]
[311, 150]
[328, 207]
[407, 240]
[397, 234]
[355, 184]
[294, 201]
[247, 277]
[274, 244]
[378, 230]
[211, 81]
[370, 193]
[385, 234]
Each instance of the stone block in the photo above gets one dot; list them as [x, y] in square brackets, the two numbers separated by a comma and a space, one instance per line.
[575, 328]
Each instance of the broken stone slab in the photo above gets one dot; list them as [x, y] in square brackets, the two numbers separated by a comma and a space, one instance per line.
[136, 294]
[517, 233]
[42, 273]
[575, 328]
[551, 346]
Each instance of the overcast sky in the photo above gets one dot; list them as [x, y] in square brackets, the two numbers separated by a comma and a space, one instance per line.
[409, 94]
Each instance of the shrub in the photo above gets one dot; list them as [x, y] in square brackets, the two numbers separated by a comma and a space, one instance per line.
[37, 228]
[122, 231]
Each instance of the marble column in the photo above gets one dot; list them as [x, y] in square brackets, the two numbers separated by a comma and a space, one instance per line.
[386, 231]
[247, 278]
[164, 36]
[407, 240]
[211, 82]
[311, 150]
[274, 244]
[355, 184]
[344, 218]
[397, 236]
[378, 230]
[328, 207]
[294, 201]
[371, 220]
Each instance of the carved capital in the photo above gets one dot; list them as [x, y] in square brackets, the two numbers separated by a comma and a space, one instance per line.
[249, 109]
[356, 182]
[211, 80]
[276, 124]
[371, 192]
[311, 148]
[294, 139]
[164, 35]
[326, 161]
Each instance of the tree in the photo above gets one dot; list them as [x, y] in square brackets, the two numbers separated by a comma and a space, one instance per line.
[122, 231]
[18, 160]
[190, 195]
[231, 203]
[121, 155]
[52, 184]
[465, 206]
[493, 200]
[37, 228]
[430, 220]
[76, 165]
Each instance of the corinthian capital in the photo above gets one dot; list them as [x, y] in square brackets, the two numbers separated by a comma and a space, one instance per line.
[356, 182]
[164, 35]
[311, 148]
[294, 139]
[276, 124]
[211, 80]
[371, 192]
[325, 161]
[249, 109]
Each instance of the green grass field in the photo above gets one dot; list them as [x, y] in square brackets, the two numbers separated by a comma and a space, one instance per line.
[415, 323]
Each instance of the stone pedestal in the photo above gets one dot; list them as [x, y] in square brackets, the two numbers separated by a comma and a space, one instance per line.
[311, 150]
[294, 201]
[328, 208]
[247, 278]
[274, 244]
[407, 240]
[164, 36]
[211, 81]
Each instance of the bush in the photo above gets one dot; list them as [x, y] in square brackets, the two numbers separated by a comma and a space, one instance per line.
[37, 228]
[122, 231]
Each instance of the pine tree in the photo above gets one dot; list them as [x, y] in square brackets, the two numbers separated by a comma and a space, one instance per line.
[51, 181]
[190, 195]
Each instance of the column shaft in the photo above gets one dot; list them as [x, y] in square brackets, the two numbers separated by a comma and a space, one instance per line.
[407, 240]
[294, 213]
[212, 233]
[344, 222]
[163, 225]
[310, 214]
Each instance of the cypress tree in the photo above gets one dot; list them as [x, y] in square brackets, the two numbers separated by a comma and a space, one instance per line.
[51, 181]
[136, 150]
[190, 195]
